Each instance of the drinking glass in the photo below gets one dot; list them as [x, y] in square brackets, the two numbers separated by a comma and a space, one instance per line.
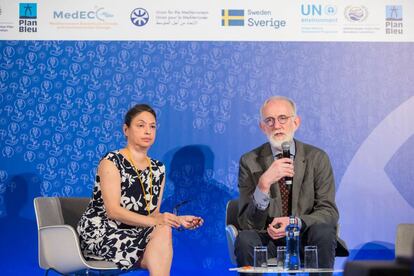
[280, 256]
[260, 256]
[311, 257]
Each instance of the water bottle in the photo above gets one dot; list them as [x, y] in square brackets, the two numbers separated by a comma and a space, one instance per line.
[292, 257]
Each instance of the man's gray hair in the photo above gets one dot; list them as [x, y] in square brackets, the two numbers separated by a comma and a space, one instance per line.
[276, 98]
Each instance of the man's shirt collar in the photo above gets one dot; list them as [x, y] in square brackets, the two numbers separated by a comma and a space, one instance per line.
[276, 151]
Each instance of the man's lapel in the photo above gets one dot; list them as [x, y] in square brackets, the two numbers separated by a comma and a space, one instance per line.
[265, 159]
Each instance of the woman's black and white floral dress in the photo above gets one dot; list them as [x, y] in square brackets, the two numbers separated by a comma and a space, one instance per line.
[102, 238]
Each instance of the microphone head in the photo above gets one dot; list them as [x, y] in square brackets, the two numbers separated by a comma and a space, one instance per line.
[286, 146]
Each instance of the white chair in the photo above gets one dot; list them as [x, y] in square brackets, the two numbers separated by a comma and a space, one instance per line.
[59, 247]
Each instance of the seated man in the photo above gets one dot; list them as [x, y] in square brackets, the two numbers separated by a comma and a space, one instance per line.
[263, 209]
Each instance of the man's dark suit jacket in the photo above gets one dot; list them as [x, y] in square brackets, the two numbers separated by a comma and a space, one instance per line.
[313, 190]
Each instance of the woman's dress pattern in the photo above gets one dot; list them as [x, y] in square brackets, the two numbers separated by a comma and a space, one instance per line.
[102, 238]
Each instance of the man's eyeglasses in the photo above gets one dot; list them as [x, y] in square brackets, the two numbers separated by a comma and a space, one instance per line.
[177, 206]
[282, 119]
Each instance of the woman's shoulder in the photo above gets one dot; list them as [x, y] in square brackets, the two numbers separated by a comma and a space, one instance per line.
[157, 164]
[114, 155]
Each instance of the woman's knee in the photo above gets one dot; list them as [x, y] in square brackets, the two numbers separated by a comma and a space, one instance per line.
[161, 236]
[164, 231]
[160, 242]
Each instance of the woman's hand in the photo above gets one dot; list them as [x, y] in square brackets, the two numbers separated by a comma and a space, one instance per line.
[190, 222]
[168, 219]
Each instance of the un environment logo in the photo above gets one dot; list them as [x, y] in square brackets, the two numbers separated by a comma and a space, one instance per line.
[330, 10]
[139, 17]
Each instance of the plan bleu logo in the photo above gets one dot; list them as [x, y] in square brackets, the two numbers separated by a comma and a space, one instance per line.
[27, 17]
[27, 10]
[393, 13]
[394, 20]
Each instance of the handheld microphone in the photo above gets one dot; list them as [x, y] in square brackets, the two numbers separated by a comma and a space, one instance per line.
[288, 179]
[286, 154]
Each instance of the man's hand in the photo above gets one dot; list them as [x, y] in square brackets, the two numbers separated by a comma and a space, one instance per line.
[279, 168]
[276, 229]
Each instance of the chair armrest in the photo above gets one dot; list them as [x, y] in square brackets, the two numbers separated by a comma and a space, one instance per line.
[404, 242]
[59, 249]
[231, 234]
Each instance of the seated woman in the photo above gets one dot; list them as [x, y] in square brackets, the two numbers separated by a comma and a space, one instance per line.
[123, 223]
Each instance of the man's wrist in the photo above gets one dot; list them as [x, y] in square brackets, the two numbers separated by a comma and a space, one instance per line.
[299, 222]
[261, 199]
[264, 188]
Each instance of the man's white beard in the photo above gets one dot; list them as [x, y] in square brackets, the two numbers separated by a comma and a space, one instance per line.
[277, 144]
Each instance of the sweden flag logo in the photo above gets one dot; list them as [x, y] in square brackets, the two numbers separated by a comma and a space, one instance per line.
[232, 17]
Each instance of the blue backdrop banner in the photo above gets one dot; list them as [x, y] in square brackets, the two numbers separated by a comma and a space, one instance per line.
[62, 107]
